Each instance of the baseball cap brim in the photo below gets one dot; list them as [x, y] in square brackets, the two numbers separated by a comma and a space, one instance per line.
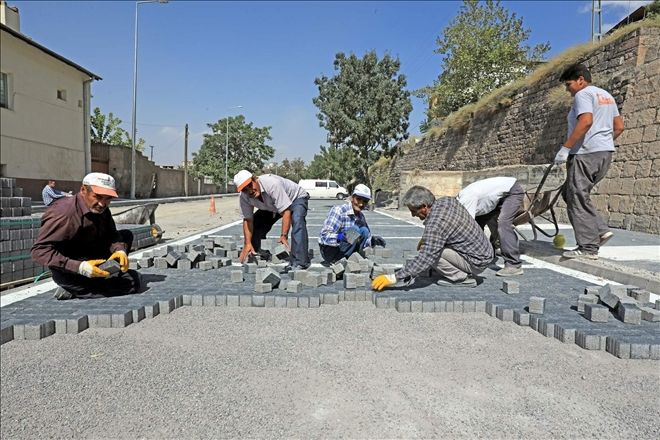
[243, 185]
[104, 191]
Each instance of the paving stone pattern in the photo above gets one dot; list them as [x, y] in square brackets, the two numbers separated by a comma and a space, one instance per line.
[168, 289]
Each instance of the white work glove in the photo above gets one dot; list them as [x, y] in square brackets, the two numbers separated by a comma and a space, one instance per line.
[90, 269]
[562, 155]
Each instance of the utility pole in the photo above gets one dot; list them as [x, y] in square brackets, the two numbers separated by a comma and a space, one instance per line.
[151, 156]
[596, 17]
[185, 164]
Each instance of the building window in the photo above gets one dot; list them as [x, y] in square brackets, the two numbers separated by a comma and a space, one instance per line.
[61, 94]
[4, 90]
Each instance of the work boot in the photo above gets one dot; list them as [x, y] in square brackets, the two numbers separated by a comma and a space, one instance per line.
[62, 294]
[509, 271]
[468, 282]
[577, 253]
[605, 238]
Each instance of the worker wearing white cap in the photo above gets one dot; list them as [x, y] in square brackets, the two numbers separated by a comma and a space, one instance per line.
[345, 229]
[275, 198]
[77, 235]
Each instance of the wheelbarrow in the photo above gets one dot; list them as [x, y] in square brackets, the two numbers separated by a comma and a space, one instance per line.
[537, 205]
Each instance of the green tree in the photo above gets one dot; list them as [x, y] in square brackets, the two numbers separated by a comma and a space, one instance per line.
[483, 49]
[333, 163]
[364, 107]
[106, 130]
[109, 132]
[247, 149]
[653, 10]
[290, 169]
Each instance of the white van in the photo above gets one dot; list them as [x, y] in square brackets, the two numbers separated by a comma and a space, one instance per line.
[323, 189]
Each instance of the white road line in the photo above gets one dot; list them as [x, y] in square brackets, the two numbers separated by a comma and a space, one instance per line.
[630, 253]
[28, 292]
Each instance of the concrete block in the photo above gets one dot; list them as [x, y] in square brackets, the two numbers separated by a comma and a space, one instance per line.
[138, 314]
[263, 287]
[245, 300]
[640, 350]
[121, 320]
[303, 302]
[469, 306]
[617, 347]
[250, 268]
[294, 287]
[314, 302]
[271, 277]
[144, 263]
[649, 314]
[641, 295]
[313, 279]
[428, 306]
[152, 310]
[330, 298]
[611, 294]
[504, 314]
[536, 305]
[281, 252]
[161, 252]
[236, 276]
[592, 290]
[219, 252]
[402, 305]
[480, 306]
[221, 300]
[197, 300]
[491, 309]
[258, 300]
[416, 306]
[291, 302]
[383, 302]
[596, 313]
[565, 333]
[338, 270]
[510, 287]
[280, 301]
[353, 267]
[458, 306]
[209, 300]
[233, 300]
[629, 313]
[6, 333]
[351, 236]
[184, 264]
[205, 265]
[590, 341]
[34, 331]
[354, 280]
[172, 257]
[111, 266]
[269, 301]
[161, 263]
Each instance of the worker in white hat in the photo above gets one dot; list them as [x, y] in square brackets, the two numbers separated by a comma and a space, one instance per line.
[77, 235]
[275, 198]
[345, 229]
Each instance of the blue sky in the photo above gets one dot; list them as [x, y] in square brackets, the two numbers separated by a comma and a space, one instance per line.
[198, 59]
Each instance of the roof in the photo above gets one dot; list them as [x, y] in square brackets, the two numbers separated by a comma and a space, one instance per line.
[44, 49]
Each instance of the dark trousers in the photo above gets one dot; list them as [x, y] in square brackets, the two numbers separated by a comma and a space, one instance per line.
[263, 221]
[583, 172]
[115, 285]
[332, 254]
[500, 225]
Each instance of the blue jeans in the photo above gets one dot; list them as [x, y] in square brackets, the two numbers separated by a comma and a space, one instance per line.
[263, 221]
[332, 254]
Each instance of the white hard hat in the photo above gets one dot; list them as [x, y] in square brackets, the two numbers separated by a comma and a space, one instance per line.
[241, 179]
[362, 191]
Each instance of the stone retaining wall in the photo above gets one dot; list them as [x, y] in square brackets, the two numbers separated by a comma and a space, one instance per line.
[533, 126]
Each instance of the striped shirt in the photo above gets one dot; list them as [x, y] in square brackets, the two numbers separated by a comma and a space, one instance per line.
[449, 225]
[340, 219]
[50, 194]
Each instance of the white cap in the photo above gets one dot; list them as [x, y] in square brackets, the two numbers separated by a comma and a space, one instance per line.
[362, 191]
[101, 183]
[241, 179]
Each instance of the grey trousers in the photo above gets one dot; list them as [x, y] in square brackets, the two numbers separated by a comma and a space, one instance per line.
[583, 172]
[452, 266]
[500, 225]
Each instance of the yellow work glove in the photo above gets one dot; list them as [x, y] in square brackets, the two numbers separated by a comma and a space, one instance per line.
[121, 258]
[420, 243]
[89, 269]
[383, 281]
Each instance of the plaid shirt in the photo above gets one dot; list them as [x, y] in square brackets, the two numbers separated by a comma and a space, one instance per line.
[49, 195]
[340, 219]
[449, 225]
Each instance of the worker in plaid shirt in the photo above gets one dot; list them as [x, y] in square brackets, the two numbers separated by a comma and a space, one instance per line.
[453, 244]
[345, 230]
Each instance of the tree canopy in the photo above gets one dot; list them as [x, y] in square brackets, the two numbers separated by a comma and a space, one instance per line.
[483, 49]
[107, 130]
[364, 107]
[290, 169]
[247, 149]
[333, 163]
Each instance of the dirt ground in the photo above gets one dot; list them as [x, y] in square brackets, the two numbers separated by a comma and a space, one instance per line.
[182, 219]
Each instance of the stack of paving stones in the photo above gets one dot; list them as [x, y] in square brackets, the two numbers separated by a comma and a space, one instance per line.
[207, 273]
[18, 230]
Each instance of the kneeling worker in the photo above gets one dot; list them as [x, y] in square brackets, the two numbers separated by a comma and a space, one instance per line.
[494, 202]
[78, 234]
[345, 230]
[452, 243]
[274, 197]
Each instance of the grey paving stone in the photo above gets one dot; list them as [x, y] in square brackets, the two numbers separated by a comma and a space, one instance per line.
[402, 305]
[596, 313]
[458, 307]
[640, 350]
[416, 306]
[314, 301]
[172, 257]
[269, 301]
[590, 341]
[504, 314]
[110, 266]
[330, 299]
[280, 301]
[510, 287]
[536, 305]
[258, 300]
[617, 347]
[197, 300]
[312, 279]
[6, 333]
[34, 330]
[161, 263]
[167, 306]
[565, 333]
[145, 263]
[245, 300]
[207, 265]
[236, 276]
[263, 287]
[641, 295]
[303, 302]
[649, 314]
[294, 287]
[592, 290]
[233, 300]
[184, 264]
[480, 306]
[138, 314]
[220, 300]
[209, 300]
[152, 310]
[469, 306]
[120, 320]
[291, 302]
[428, 306]
[100, 320]
[629, 313]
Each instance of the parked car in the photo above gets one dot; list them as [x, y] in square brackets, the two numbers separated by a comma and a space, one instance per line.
[323, 189]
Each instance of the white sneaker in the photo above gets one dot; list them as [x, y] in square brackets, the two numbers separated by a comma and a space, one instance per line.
[579, 254]
[468, 282]
[605, 238]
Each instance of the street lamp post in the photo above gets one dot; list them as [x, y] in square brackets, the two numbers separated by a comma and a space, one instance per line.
[135, 78]
[227, 150]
